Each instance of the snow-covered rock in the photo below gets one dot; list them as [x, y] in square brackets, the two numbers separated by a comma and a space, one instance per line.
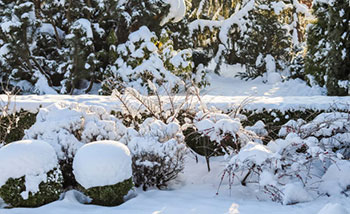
[30, 158]
[102, 163]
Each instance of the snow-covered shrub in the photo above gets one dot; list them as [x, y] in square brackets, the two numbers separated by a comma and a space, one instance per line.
[331, 129]
[67, 127]
[158, 152]
[302, 160]
[213, 133]
[327, 59]
[145, 58]
[30, 174]
[12, 126]
[336, 180]
[103, 170]
[12, 122]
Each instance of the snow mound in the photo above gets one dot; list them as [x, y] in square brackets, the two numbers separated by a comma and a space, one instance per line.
[253, 151]
[102, 163]
[331, 208]
[295, 193]
[29, 158]
[336, 179]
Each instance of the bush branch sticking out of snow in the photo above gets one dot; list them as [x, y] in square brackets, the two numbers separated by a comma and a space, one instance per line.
[67, 127]
[213, 133]
[29, 174]
[301, 161]
[103, 169]
[333, 130]
[157, 151]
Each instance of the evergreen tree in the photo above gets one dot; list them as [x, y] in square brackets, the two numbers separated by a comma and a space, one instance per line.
[338, 70]
[328, 54]
[19, 31]
[261, 36]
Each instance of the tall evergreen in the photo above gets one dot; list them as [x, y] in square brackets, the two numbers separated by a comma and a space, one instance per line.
[262, 35]
[328, 54]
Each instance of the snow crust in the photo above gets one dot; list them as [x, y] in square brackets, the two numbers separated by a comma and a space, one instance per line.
[102, 163]
[29, 158]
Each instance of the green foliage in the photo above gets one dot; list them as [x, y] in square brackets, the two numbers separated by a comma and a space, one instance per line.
[49, 191]
[146, 61]
[328, 54]
[111, 195]
[163, 169]
[274, 119]
[265, 35]
[12, 126]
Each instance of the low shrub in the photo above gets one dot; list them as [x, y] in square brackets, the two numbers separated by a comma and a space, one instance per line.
[106, 178]
[12, 126]
[30, 175]
[158, 153]
[49, 191]
[110, 195]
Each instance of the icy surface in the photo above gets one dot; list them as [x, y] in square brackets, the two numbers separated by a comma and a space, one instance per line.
[102, 163]
[29, 158]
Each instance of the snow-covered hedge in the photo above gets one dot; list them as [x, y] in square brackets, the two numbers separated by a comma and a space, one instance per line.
[213, 133]
[30, 174]
[68, 126]
[305, 163]
[103, 170]
[158, 153]
[12, 125]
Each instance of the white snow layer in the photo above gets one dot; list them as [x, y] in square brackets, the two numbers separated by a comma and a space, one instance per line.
[337, 178]
[102, 163]
[176, 12]
[29, 158]
[333, 208]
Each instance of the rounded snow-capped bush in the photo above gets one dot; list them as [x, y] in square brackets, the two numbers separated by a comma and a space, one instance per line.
[103, 171]
[29, 174]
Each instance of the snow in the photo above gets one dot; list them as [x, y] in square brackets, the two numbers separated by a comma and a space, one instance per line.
[102, 163]
[194, 192]
[333, 208]
[49, 29]
[176, 12]
[295, 193]
[29, 158]
[252, 151]
[336, 180]
[85, 25]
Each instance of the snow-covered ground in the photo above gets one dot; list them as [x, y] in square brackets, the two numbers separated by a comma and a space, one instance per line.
[194, 192]
[225, 91]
